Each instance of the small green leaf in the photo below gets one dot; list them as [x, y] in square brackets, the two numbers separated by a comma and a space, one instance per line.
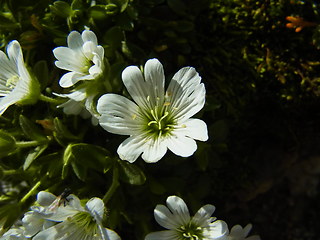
[83, 156]
[62, 133]
[7, 143]
[51, 164]
[131, 173]
[79, 170]
[33, 155]
[98, 12]
[31, 130]
[121, 4]
[61, 9]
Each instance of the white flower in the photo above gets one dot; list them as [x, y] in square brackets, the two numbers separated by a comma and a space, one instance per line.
[48, 212]
[79, 104]
[181, 226]
[16, 84]
[239, 233]
[71, 220]
[83, 58]
[156, 120]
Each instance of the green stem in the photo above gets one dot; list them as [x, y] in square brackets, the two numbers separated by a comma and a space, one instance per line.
[114, 185]
[29, 144]
[50, 100]
[31, 192]
[10, 172]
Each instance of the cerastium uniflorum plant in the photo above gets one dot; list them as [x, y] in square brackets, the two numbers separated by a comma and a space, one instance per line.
[124, 119]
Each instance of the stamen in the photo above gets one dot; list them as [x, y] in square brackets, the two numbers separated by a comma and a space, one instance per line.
[134, 116]
[12, 82]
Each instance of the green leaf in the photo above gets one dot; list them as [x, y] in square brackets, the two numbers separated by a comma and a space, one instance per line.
[7, 143]
[51, 164]
[83, 156]
[79, 170]
[33, 155]
[31, 130]
[62, 133]
[98, 12]
[131, 173]
[121, 4]
[61, 9]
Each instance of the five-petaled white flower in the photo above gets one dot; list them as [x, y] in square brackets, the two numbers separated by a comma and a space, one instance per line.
[16, 84]
[53, 220]
[83, 58]
[239, 233]
[181, 226]
[156, 120]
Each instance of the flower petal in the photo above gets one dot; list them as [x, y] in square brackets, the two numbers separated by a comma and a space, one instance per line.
[96, 208]
[162, 235]
[165, 218]
[194, 128]
[131, 148]
[108, 234]
[154, 75]
[88, 35]
[119, 114]
[74, 40]
[218, 230]
[136, 86]
[9, 100]
[203, 216]
[154, 150]
[186, 106]
[179, 209]
[181, 145]
[69, 79]
[45, 198]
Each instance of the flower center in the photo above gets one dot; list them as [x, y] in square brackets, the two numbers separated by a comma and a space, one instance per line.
[85, 222]
[190, 232]
[87, 64]
[160, 121]
[12, 82]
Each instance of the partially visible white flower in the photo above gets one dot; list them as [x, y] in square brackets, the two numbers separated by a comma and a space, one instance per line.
[83, 58]
[156, 120]
[82, 225]
[16, 84]
[14, 234]
[176, 218]
[79, 104]
[239, 233]
[44, 214]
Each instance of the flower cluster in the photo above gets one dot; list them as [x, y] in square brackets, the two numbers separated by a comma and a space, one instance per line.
[175, 217]
[57, 218]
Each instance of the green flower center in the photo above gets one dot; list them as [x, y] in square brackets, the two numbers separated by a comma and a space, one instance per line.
[85, 223]
[159, 121]
[190, 232]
